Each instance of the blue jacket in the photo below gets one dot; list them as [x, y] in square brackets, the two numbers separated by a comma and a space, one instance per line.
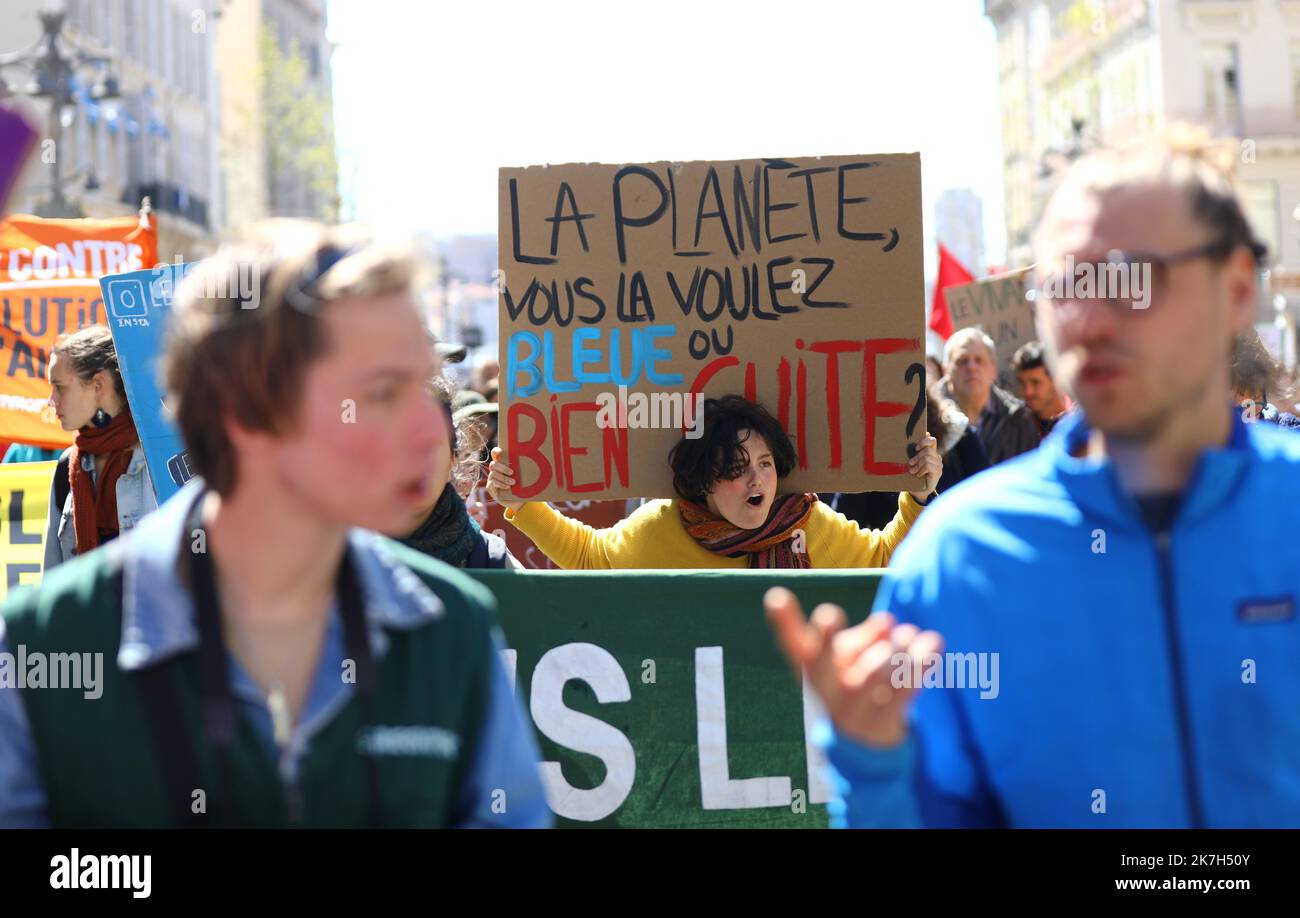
[1272, 415]
[1140, 681]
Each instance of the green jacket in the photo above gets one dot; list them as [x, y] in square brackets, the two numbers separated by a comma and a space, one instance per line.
[433, 636]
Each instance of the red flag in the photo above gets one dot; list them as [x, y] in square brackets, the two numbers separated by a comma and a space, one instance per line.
[951, 274]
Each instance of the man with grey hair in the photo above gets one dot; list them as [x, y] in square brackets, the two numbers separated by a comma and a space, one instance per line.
[1135, 572]
[1003, 423]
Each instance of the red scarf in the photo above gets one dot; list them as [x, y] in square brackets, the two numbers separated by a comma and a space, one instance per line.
[770, 545]
[94, 506]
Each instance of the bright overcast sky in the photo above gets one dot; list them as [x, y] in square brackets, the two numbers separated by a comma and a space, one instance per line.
[432, 97]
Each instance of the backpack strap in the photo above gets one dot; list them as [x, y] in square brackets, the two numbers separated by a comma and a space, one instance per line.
[62, 484]
[180, 766]
[160, 696]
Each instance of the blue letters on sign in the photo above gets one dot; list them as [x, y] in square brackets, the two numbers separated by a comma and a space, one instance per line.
[516, 364]
[660, 379]
[524, 378]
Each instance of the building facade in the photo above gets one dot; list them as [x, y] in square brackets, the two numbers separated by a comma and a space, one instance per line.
[156, 140]
[1076, 74]
[245, 187]
[273, 70]
[302, 168]
[207, 87]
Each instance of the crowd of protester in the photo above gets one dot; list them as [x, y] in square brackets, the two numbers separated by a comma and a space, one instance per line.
[1009, 495]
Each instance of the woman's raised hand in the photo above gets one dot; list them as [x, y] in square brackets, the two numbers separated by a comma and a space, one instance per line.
[926, 467]
[501, 479]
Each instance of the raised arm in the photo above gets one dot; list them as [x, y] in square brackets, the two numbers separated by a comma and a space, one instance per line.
[840, 542]
[571, 544]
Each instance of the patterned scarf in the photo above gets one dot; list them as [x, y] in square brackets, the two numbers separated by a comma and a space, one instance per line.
[449, 533]
[94, 506]
[769, 546]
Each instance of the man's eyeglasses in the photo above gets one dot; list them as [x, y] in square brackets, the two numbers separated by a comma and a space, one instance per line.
[1126, 280]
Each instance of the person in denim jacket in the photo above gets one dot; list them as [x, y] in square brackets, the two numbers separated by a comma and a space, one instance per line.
[107, 486]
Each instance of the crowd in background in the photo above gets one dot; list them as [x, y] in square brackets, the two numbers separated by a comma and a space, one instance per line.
[1124, 426]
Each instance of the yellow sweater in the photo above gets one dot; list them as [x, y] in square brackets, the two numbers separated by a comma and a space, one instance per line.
[654, 537]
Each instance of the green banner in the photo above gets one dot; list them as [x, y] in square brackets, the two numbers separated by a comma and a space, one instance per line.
[660, 699]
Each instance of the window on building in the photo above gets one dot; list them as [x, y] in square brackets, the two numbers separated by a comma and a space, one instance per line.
[167, 43]
[183, 147]
[85, 140]
[1259, 199]
[201, 63]
[146, 20]
[108, 153]
[1220, 82]
[186, 40]
[176, 49]
[130, 16]
[194, 43]
[1295, 78]
[136, 40]
[85, 19]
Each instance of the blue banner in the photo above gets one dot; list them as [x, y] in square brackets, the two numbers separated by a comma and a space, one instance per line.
[138, 305]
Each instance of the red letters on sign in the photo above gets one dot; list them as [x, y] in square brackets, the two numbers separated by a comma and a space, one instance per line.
[832, 350]
[872, 409]
[536, 467]
[614, 450]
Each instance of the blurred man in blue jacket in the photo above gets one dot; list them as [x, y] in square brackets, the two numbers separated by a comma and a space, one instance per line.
[1118, 607]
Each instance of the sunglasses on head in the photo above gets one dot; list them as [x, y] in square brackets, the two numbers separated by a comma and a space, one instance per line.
[301, 294]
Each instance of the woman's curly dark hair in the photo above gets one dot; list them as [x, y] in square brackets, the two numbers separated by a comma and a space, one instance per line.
[468, 439]
[717, 454]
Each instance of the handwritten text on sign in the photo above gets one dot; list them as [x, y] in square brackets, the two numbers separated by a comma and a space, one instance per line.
[797, 283]
[998, 306]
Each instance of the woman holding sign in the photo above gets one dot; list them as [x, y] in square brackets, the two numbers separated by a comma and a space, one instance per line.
[101, 486]
[727, 513]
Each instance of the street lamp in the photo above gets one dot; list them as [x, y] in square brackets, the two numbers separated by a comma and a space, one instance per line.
[54, 61]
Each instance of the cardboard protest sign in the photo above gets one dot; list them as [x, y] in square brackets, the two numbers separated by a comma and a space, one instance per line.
[139, 304]
[49, 286]
[998, 306]
[628, 293]
[24, 512]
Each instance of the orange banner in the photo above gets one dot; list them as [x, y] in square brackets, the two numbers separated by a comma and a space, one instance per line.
[49, 286]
